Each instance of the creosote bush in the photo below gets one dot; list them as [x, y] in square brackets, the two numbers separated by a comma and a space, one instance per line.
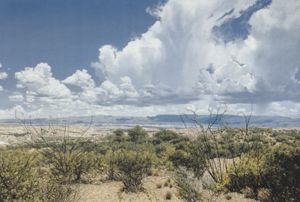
[62, 153]
[281, 174]
[110, 161]
[68, 163]
[180, 158]
[273, 177]
[244, 174]
[137, 134]
[119, 135]
[165, 136]
[133, 166]
[23, 179]
[186, 188]
[18, 176]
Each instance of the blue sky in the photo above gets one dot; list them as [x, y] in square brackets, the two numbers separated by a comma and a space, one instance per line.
[66, 34]
[147, 57]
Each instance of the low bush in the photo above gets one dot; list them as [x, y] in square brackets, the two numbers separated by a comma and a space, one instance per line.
[168, 195]
[119, 135]
[137, 134]
[197, 161]
[273, 177]
[133, 167]
[51, 191]
[186, 188]
[281, 173]
[68, 164]
[110, 165]
[245, 173]
[180, 158]
[228, 197]
[23, 179]
[18, 176]
[165, 136]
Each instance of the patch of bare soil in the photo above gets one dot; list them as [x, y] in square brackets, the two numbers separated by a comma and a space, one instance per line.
[112, 192]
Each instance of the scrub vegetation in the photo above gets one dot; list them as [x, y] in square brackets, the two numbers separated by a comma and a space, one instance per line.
[261, 163]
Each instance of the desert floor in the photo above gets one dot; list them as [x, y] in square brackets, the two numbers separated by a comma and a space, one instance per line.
[111, 191]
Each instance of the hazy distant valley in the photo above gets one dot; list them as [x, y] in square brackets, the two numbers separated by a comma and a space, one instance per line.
[165, 121]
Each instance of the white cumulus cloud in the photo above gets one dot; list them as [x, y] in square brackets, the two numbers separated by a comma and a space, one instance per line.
[80, 78]
[180, 61]
[3, 75]
[40, 80]
[179, 54]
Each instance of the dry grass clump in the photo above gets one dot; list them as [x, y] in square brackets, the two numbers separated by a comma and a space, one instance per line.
[168, 195]
[228, 197]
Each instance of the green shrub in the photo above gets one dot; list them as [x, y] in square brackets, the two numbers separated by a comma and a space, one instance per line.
[274, 177]
[245, 173]
[133, 167]
[197, 160]
[22, 179]
[67, 163]
[110, 161]
[163, 152]
[51, 191]
[192, 158]
[86, 162]
[180, 158]
[282, 173]
[186, 189]
[18, 176]
[283, 138]
[119, 135]
[137, 134]
[165, 136]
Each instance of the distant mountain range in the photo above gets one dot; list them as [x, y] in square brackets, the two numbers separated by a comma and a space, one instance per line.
[165, 120]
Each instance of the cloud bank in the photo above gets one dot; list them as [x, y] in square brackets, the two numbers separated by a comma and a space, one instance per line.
[196, 53]
[181, 54]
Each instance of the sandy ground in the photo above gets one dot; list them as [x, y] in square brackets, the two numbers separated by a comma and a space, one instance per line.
[18, 134]
[112, 192]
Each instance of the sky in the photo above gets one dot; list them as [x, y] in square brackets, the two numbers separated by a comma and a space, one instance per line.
[147, 57]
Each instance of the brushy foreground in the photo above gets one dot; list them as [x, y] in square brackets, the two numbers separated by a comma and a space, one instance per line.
[210, 165]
